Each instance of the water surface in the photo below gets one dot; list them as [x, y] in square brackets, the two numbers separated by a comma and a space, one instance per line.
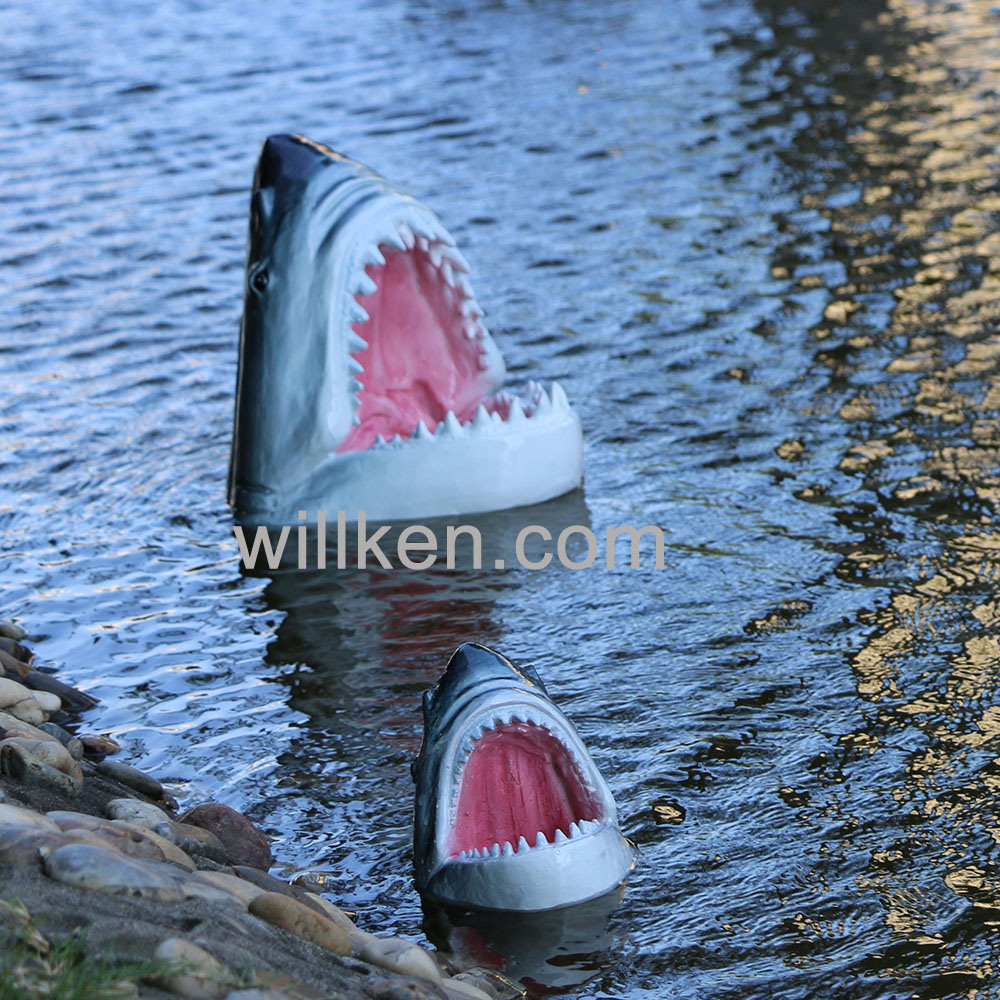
[756, 244]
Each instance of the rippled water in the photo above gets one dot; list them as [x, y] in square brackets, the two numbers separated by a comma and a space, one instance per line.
[757, 243]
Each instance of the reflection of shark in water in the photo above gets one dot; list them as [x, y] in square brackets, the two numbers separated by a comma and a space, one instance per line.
[549, 950]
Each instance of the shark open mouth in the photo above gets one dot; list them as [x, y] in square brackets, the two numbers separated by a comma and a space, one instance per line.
[367, 381]
[520, 789]
[420, 353]
[511, 812]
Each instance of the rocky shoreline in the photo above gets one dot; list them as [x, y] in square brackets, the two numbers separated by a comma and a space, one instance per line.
[107, 891]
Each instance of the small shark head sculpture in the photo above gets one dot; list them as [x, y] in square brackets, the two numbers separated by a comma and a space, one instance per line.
[367, 380]
[511, 812]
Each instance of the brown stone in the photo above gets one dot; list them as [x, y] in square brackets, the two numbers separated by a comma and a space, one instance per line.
[283, 911]
[244, 843]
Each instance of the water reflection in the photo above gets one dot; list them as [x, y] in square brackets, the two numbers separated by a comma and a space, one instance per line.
[900, 156]
[550, 952]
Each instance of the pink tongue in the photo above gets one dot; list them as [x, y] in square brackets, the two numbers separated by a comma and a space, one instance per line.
[419, 364]
[519, 780]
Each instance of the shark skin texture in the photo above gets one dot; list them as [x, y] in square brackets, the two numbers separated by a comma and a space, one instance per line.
[510, 811]
[367, 380]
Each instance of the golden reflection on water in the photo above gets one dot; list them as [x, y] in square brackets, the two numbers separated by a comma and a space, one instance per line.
[924, 228]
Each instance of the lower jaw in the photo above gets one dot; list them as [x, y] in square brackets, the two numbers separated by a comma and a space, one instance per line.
[544, 878]
[532, 462]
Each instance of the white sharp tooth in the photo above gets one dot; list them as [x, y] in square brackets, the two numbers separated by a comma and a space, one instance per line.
[356, 343]
[540, 840]
[354, 367]
[474, 853]
[457, 259]
[560, 837]
[470, 307]
[396, 439]
[574, 831]
[483, 361]
[379, 440]
[504, 716]
[471, 329]
[450, 426]
[508, 850]
[407, 235]
[365, 285]
[395, 239]
[435, 254]
[520, 714]
[481, 419]
[373, 256]
[495, 851]
[516, 412]
[420, 432]
[355, 419]
[422, 242]
[544, 404]
[357, 312]
[522, 845]
[355, 385]
[463, 855]
[496, 418]
[449, 274]
[559, 400]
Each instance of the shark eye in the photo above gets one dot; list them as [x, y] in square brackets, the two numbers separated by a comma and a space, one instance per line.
[259, 279]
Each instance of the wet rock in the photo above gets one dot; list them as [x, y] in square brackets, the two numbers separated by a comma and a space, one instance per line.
[68, 740]
[285, 912]
[131, 777]
[271, 884]
[141, 813]
[11, 631]
[136, 841]
[197, 974]
[43, 763]
[98, 746]
[193, 840]
[196, 840]
[244, 843]
[103, 869]
[15, 649]
[71, 700]
[396, 954]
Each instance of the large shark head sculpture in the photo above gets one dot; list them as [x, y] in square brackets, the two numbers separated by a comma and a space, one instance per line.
[511, 812]
[367, 380]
